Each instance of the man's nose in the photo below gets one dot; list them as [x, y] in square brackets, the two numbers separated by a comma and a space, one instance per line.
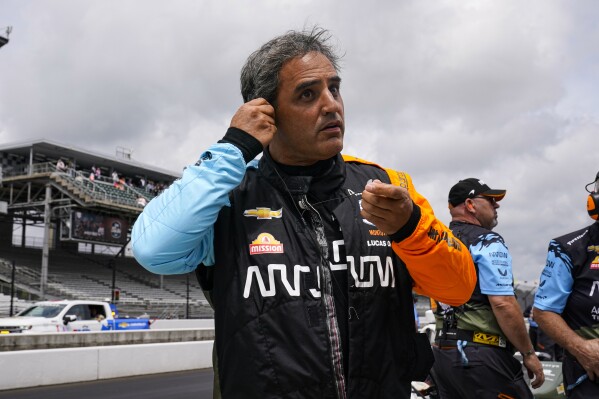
[330, 103]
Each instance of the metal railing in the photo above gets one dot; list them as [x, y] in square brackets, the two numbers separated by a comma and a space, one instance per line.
[99, 189]
[25, 169]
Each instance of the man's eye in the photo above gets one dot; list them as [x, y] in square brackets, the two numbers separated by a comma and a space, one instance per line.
[334, 90]
[308, 94]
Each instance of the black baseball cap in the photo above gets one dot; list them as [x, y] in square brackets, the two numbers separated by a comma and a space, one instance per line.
[470, 188]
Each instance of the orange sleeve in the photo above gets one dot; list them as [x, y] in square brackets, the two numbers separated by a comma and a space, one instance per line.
[440, 265]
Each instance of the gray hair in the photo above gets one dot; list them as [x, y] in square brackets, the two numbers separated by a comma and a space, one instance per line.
[260, 74]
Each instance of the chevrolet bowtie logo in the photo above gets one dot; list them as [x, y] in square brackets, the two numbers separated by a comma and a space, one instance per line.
[263, 213]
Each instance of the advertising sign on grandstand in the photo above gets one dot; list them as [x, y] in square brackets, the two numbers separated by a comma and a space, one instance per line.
[87, 226]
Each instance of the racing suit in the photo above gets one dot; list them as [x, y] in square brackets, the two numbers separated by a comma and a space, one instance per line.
[570, 287]
[277, 241]
[473, 359]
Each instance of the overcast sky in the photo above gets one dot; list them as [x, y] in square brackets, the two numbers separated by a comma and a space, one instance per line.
[505, 91]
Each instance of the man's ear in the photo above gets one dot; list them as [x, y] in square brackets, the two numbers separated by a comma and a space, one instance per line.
[469, 206]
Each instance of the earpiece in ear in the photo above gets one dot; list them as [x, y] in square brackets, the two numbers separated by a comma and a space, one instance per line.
[593, 205]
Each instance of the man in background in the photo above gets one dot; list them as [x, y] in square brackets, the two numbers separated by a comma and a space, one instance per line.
[474, 342]
[567, 302]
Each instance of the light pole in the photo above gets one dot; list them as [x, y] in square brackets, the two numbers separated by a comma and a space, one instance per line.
[116, 295]
[112, 265]
[187, 302]
[12, 287]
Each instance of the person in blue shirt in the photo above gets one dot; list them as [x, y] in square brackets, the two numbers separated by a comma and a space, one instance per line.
[474, 343]
[566, 305]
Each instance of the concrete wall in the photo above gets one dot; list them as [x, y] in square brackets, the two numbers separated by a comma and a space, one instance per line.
[30, 360]
[161, 324]
[30, 368]
[18, 342]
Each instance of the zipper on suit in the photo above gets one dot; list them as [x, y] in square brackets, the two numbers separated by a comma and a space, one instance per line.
[334, 335]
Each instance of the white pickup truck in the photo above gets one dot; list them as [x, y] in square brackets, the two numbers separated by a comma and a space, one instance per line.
[63, 316]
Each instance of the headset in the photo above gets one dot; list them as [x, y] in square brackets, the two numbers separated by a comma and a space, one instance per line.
[593, 199]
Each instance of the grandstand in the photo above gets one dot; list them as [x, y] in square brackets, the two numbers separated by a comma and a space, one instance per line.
[67, 234]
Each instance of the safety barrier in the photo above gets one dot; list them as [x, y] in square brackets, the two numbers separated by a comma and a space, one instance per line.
[90, 356]
[31, 368]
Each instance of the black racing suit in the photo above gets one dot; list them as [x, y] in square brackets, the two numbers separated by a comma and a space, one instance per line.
[290, 341]
[288, 324]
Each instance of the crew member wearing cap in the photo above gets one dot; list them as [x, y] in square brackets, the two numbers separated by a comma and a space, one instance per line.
[475, 342]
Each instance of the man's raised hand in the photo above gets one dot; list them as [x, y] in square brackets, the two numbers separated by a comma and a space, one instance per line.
[257, 118]
[387, 206]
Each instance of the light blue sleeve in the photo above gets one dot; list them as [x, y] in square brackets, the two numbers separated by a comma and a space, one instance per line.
[175, 231]
[494, 265]
[556, 280]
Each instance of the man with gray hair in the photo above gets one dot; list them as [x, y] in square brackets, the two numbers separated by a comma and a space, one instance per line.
[308, 257]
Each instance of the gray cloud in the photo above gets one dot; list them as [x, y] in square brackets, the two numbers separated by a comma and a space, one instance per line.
[442, 90]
